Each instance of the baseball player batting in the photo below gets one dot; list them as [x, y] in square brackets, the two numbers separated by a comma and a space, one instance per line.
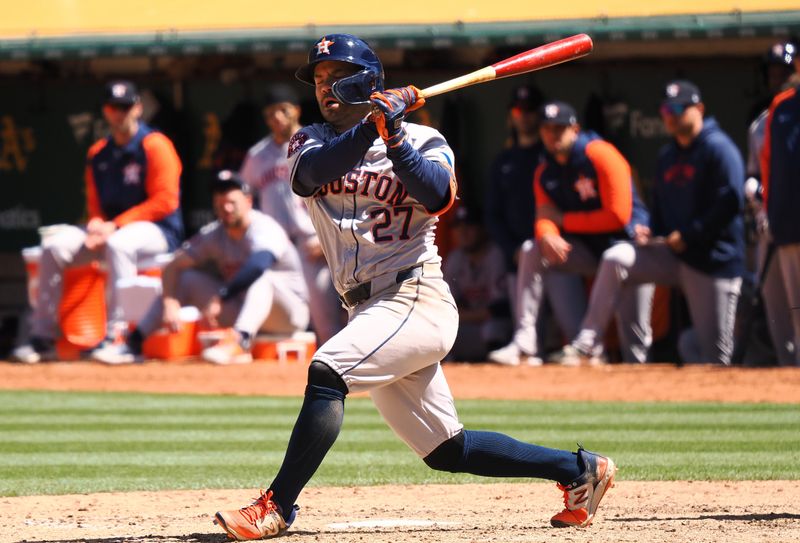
[375, 186]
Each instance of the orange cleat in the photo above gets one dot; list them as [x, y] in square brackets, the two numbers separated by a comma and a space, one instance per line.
[583, 495]
[260, 520]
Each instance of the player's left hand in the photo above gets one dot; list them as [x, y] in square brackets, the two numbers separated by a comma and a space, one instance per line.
[389, 109]
[97, 233]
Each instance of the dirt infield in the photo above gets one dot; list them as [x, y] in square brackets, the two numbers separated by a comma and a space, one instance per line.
[640, 512]
[617, 382]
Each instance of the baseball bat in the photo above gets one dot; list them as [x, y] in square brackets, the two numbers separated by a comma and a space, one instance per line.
[538, 58]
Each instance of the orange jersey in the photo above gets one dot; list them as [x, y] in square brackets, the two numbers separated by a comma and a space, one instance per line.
[139, 181]
[593, 190]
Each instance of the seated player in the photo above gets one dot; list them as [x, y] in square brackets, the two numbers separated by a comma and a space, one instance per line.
[255, 283]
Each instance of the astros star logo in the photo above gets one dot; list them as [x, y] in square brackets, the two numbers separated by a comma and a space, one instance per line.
[585, 188]
[323, 46]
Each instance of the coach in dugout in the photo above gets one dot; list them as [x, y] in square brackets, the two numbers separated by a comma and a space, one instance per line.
[695, 240]
[133, 204]
[585, 203]
[241, 271]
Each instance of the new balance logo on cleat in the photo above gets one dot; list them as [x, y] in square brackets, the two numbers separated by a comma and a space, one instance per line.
[583, 495]
[260, 520]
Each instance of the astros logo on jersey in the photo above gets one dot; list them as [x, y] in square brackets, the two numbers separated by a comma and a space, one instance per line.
[296, 143]
[132, 174]
[323, 46]
[585, 188]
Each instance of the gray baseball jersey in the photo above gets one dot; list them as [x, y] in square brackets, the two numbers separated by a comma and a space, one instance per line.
[214, 246]
[281, 287]
[371, 205]
[370, 228]
[266, 171]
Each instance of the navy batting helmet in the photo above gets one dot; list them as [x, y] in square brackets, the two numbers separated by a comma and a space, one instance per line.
[353, 50]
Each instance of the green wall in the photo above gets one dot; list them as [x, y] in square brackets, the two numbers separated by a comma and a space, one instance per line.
[46, 127]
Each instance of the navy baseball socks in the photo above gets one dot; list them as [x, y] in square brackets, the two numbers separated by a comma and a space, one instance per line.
[314, 433]
[492, 454]
[583, 477]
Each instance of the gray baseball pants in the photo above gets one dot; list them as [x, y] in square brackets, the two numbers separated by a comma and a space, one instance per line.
[776, 304]
[712, 300]
[266, 305]
[564, 286]
[66, 248]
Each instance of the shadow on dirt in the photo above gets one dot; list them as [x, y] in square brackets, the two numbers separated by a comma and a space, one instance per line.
[218, 537]
[215, 537]
[746, 518]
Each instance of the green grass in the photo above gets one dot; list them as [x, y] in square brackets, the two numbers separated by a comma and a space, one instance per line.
[62, 442]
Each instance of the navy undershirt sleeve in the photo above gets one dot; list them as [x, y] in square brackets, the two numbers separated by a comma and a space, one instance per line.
[426, 180]
[321, 165]
[253, 267]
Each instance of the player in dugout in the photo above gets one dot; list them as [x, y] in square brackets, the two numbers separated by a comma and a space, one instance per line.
[133, 203]
[695, 240]
[240, 270]
[586, 202]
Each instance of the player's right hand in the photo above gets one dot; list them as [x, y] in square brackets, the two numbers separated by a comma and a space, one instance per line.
[172, 312]
[641, 234]
[388, 112]
[554, 248]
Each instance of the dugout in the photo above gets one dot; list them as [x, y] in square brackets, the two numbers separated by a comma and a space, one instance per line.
[204, 68]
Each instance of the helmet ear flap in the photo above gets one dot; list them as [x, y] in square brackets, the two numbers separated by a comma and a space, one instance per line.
[357, 88]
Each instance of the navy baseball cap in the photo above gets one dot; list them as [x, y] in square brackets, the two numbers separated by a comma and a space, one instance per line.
[229, 180]
[560, 113]
[681, 93]
[782, 53]
[526, 98]
[280, 93]
[122, 93]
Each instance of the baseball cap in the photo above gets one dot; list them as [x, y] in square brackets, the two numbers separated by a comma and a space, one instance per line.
[229, 180]
[681, 93]
[557, 112]
[280, 93]
[526, 98]
[121, 92]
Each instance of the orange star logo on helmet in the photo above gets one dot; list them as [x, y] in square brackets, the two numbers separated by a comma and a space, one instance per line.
[323, 46]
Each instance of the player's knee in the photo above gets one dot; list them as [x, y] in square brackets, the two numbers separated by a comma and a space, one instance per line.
[321, 375]
[621, 254]
[448, 456]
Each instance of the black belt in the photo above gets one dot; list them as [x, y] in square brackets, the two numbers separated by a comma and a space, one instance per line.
[356, 295]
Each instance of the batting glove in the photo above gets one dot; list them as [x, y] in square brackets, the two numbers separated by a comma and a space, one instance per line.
[389, 111]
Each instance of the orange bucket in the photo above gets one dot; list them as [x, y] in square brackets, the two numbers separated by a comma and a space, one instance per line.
[82, 312]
